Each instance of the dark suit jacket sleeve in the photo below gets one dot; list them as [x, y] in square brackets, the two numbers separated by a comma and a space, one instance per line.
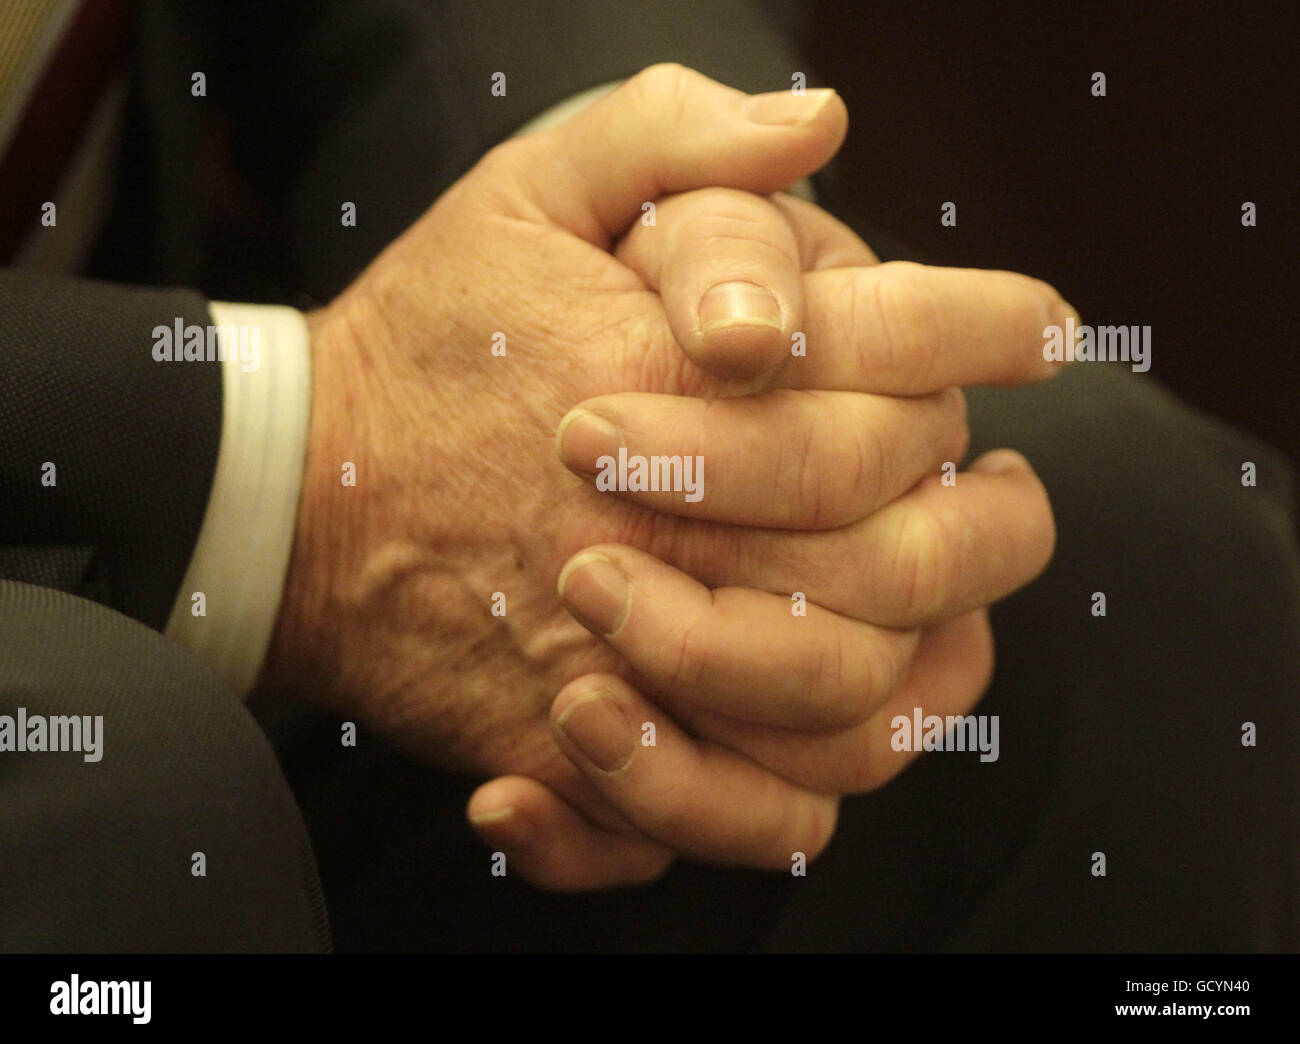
[382, 104]
[133, 442]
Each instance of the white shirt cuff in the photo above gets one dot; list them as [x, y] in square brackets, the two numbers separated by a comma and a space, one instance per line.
[242, 552]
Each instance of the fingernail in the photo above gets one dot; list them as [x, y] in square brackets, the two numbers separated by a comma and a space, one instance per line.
[787, 109]
[495, 816]
[584, 437]
[596, 592]
[597, 726]
[1001, 460]
[738, 304]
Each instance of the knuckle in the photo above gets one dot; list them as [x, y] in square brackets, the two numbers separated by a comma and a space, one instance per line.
[834, 472]
[908, 320]
[808, 505]
[507, 157]
[729, 219]
[664, 89]
[745, 247]
[957, 423]
[831, 666]
[866, 466]
[922, 586]
[662, 75]
[845, 683]
[689, 655]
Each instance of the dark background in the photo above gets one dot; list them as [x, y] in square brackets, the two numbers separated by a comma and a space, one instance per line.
[1129, 204]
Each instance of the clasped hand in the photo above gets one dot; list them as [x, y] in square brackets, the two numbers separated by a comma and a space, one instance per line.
[762, 635]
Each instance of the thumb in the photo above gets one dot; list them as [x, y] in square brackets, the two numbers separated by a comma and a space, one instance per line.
[670, 129]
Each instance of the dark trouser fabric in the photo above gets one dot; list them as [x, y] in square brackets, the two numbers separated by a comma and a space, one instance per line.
[99, 856]
[1119, 735]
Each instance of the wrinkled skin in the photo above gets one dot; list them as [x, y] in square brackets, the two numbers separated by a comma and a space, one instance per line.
[402, 623]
